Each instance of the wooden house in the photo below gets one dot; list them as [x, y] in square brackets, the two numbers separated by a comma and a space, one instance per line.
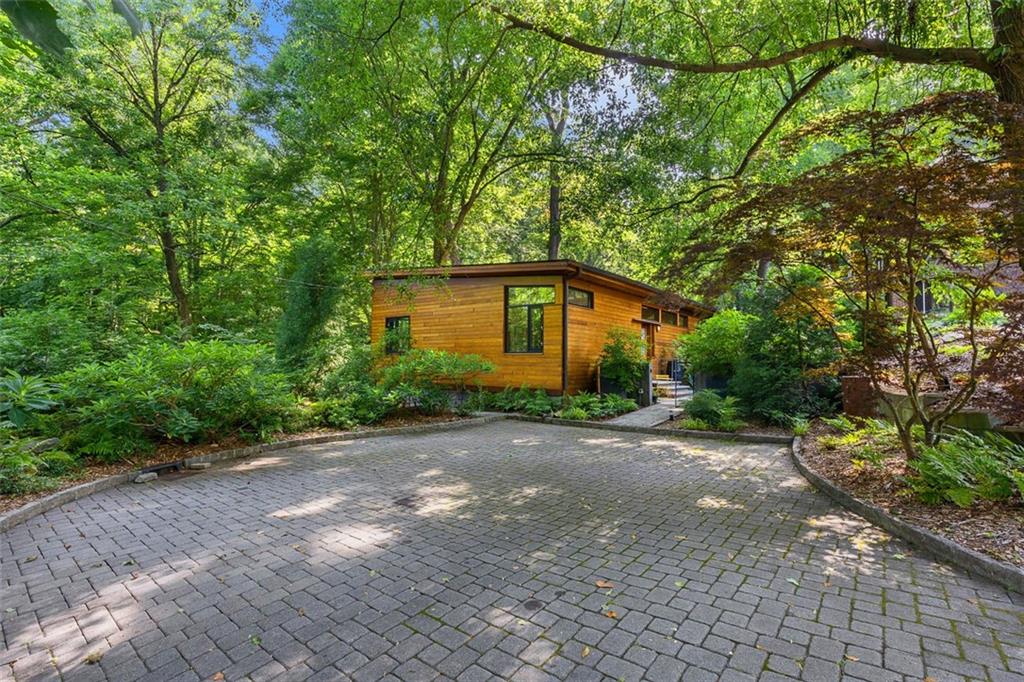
[543, 324]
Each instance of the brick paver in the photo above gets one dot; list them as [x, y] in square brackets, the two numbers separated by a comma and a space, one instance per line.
[475, 554]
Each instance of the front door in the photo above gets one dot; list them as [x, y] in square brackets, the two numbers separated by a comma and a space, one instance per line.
[647, 334]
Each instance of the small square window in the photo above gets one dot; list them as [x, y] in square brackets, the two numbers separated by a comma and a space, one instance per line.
[669, 317]
[650, 314]
[397, 335]
[581, 297]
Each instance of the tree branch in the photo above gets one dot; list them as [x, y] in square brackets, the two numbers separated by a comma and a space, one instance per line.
[966, 56]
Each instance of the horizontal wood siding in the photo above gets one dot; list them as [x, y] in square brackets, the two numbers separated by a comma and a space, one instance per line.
[467, 316]
[588, 332]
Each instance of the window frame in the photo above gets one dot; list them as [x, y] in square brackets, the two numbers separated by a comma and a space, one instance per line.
[391, 323]
[529, 307]
[589, 294]
[645, 308]
[674, 314]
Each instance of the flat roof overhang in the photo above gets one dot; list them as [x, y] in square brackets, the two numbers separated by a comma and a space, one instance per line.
[569, 268]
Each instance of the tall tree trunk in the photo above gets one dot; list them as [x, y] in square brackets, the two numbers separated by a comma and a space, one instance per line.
[554, 212]
[762, 273]
[556, 114]
[1008, 34]
[168, 244]
[446, 250]
[170, 249]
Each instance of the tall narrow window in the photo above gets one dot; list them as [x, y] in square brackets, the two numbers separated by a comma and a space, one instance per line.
[923, 299]
[524, 318]
[397, 335]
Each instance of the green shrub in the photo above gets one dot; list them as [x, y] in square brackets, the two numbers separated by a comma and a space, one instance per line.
[422, 367]
[714, 410]
[694, 424]
[624, 358]
[48, 341]
[370, 404]
[966, 467]
[840, 422]
[589, 403]
[534, 402]
[716, 346]
[539, 404]
[357, 368]
[332, 412]
[573, 413]
[800, 426]
[192, 392]
[23, 471]
[23, 396]
[613, 405]
[426, 399]
[419, 380]
[480, 400]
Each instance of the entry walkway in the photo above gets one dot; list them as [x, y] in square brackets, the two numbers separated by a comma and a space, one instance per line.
[653, 415]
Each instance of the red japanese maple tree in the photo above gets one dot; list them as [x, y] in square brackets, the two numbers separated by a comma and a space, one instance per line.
[913, 205]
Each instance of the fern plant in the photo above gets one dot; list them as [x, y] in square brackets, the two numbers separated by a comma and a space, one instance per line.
[966, 467]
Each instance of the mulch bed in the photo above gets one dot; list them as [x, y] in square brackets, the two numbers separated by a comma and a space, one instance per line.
[173, 452]
[993, 528]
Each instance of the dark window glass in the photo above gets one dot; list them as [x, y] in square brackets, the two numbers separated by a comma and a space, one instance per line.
[684, 321]
[524, 318]
[669, 318]
[581, 297]
[397, 335]
[649, 313]
[924, 301]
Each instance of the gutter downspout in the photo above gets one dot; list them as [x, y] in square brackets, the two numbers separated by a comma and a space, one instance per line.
[565, 329]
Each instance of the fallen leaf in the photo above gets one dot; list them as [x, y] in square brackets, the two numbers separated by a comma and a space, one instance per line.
[585, 652]
[793, 581]
[611, 614]
[899, 556]
[128, 562]
[218, 676]
[851, 658]
[604, 584]
[31, 558]
[93, 657]
[680, 583]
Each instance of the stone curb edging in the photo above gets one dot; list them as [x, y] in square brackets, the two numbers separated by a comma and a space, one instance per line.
[654, 431]
[45, 504]
[938, 547]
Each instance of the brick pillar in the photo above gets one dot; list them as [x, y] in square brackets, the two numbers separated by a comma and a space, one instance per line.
[859, 399]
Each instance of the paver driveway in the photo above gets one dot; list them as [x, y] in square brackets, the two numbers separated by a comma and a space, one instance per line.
[475, 554]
